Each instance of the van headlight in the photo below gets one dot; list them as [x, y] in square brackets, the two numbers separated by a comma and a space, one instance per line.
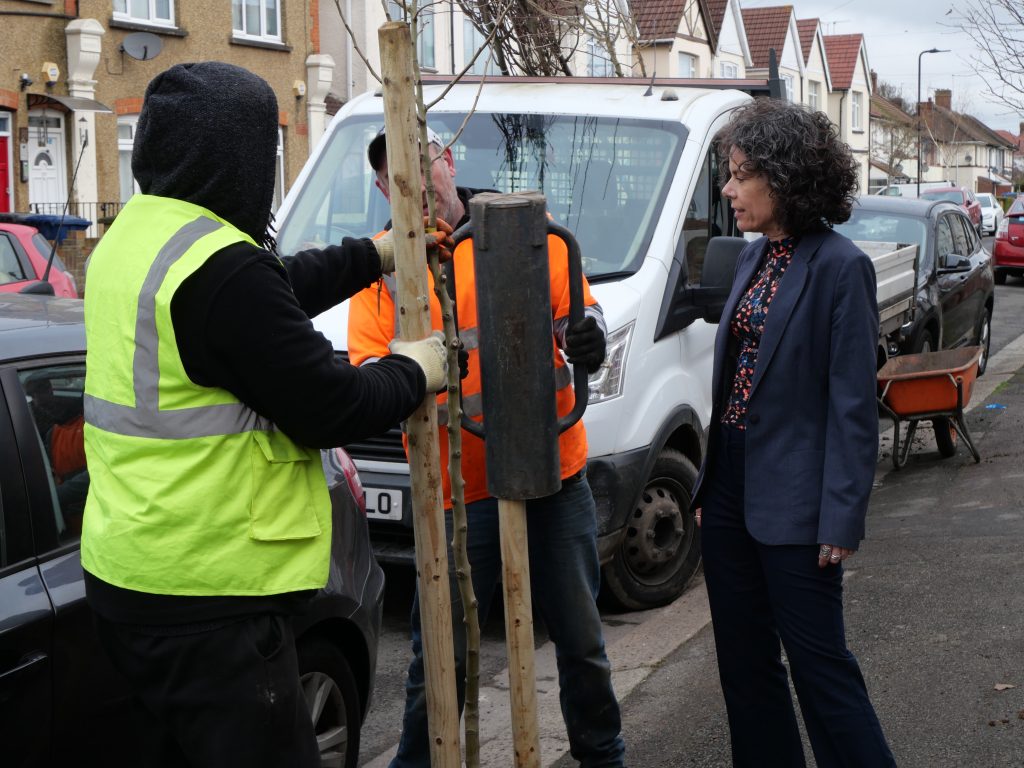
[607, 381]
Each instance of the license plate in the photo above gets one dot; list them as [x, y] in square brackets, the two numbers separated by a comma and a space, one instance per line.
[383, 504]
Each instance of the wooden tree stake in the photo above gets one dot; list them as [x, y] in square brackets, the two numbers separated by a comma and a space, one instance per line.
[424, 453]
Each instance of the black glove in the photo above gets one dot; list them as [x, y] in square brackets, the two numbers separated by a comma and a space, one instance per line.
[463, 361]
[584, 344]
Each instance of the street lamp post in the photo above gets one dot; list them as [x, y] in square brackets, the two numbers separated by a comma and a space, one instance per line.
[922, 53]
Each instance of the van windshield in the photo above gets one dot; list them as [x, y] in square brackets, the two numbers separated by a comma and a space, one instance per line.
[605, 179]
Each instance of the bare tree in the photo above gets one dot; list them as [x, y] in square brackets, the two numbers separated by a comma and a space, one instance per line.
[528, 35]
[997, 28]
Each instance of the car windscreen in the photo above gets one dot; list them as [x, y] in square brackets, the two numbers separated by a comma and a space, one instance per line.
[952, 196]
[605, 179]
[1017, 208]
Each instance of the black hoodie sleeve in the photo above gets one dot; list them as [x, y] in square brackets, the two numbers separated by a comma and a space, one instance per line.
[323, 278]
[239, 327]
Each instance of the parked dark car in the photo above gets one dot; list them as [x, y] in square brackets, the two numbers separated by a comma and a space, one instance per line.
[962, 196]
[23, 257]
[955, 282]
[61, 703]
[1008, 251]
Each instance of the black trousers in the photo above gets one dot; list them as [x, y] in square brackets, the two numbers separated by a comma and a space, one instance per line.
[219, 694]
[761, 595]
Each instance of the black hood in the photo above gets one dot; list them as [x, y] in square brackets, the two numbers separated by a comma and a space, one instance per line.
[207, 134]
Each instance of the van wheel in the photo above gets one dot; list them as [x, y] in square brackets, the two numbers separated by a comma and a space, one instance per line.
[333, 700]
[660, 549]
[945, 436]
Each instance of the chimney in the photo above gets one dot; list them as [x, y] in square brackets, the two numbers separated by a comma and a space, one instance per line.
[874, 83]
[944, 98]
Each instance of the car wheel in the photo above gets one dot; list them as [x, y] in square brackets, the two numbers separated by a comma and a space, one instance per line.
[1000, 277]
[333, 700]
[945, 436]
[660, 549]
[925, 342]
[984, 340]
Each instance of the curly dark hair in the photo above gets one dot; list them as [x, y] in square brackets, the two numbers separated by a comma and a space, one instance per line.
[811, 173]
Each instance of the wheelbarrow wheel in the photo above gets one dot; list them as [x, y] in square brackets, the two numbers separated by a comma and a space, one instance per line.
[945, 436]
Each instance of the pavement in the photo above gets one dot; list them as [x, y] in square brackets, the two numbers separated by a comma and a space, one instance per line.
[934, 609]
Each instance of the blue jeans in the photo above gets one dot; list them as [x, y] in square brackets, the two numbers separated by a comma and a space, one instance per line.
[764, 598]
[564, 579]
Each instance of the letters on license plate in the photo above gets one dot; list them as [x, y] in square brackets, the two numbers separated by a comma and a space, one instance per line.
[383, 504]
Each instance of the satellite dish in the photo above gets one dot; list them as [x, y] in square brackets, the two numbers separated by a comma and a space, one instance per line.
[142, 45]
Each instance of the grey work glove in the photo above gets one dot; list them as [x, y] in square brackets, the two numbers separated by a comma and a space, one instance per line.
[431, 356]
[584, 344]
[440, 240]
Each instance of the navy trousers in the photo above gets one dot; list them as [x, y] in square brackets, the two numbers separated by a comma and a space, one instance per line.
[760, 596]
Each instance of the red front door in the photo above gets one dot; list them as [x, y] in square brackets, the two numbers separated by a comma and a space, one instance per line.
[5, 174]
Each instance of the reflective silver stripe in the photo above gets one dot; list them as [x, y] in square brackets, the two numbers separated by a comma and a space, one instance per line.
[145, 419]
[472, 405]
[184, 423]
[563, 377]
[470, 338]
[146, 365]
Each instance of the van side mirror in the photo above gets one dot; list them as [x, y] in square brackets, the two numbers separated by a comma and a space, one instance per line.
[717, 274]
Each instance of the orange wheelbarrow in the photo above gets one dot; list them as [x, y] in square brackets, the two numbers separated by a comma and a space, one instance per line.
[931, 386]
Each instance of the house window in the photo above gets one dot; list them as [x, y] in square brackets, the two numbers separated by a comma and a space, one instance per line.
[148, 11]
[687, 65]
[788, 81]
[473, 41]
[856, 119]
[728, 70]
[425, 39]
[814, 94]
[599, 63]
[258, 19]
[126, 125]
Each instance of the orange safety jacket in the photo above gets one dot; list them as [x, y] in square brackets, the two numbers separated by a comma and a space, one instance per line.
[372, 324]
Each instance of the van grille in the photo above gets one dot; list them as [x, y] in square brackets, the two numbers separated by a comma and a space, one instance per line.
[385, 447]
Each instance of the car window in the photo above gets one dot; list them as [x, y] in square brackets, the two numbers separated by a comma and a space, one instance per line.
[1017, 207]
[951, 195]
[11, 269]
[54, 395]
[943, 239]
[43, 246]
[961, 242]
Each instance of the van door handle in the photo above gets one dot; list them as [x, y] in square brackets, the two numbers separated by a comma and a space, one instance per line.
[25, 666]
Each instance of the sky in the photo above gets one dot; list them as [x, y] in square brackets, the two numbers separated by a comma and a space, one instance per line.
[896, 31]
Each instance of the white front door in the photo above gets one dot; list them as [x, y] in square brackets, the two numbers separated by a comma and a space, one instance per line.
[47, 169]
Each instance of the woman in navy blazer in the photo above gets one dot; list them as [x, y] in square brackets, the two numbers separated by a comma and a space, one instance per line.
[783, 491]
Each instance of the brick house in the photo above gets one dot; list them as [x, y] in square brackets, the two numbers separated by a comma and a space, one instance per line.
[775, 27]
[959, 147]
[76, 73]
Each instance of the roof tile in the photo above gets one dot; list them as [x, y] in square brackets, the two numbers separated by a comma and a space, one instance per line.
[766, 28]
[842, 52]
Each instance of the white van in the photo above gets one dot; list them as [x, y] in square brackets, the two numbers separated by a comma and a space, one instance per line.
[631, 170]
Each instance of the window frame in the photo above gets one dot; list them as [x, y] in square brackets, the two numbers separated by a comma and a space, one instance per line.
[856, 111]
[691, 60]
[152, 20]
[728, 65]
[244, 34]
[124, 147]
[814, 95]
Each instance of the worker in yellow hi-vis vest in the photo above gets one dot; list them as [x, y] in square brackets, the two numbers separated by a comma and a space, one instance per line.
[208, 396]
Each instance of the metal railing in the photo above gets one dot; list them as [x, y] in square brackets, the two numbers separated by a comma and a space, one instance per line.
[94, 212]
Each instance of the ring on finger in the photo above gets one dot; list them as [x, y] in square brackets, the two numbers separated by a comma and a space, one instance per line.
[834, 558]
[824, 551]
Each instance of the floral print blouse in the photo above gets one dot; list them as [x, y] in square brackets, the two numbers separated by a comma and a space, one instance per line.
[748, 324]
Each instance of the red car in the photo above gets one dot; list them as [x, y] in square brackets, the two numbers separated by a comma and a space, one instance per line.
[23, 256]
[962, 196]
[1008, 251]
